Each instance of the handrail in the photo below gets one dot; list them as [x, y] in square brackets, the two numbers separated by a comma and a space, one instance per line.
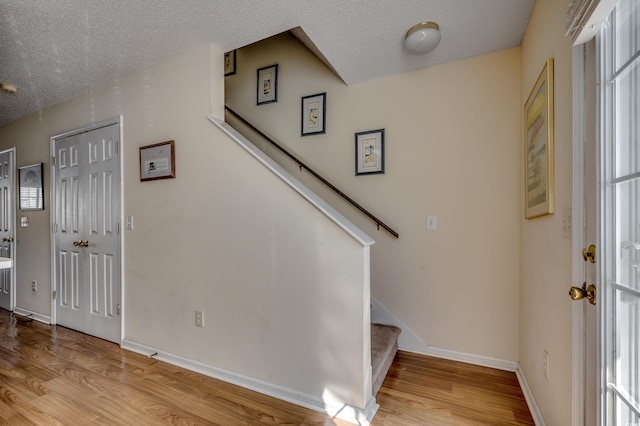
[302, 165]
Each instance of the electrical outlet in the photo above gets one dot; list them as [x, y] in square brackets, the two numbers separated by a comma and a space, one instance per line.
[199, 319]
[545, 364]
[34, 286]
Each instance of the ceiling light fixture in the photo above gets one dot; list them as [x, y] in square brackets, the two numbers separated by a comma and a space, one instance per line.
[8, 87]
[422, 38]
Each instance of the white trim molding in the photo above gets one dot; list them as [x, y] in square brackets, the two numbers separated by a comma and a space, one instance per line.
[33, 315]
[483, 361]
[528, 396]
[578, 225]
[359, 416]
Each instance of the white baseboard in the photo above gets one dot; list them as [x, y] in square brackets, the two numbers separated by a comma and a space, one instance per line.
[407, 341]
[335, 410]
[484, 361]
[528, 396]
[33, 315]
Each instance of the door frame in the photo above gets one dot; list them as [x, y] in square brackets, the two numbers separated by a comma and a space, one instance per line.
[578, 241]
[14, 211]
[118, 120]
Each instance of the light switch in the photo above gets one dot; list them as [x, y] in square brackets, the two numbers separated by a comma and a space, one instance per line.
[129, 222]
[431, 223]
[24, 222]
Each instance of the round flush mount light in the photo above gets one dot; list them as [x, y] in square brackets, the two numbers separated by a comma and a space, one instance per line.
[8, 87]
[422, 38]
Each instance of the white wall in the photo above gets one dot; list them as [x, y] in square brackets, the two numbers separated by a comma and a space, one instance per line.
[282, 287]
[545, 320]
[452, 150]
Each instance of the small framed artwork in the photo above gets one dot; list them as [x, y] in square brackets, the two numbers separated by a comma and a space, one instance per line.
[158, 161]
[314, 110]
[31, 187]
[268, 84]
[538, 118]
[370, 152]
[230, 63]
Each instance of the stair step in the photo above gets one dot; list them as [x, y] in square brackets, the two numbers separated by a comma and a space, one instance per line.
[384, 346]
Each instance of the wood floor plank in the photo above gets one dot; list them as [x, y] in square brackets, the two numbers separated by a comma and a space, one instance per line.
[50, 375]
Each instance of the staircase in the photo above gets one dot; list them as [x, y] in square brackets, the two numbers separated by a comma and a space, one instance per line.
[384, 346]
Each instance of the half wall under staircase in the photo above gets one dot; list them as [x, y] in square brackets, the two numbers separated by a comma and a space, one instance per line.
[382, 340]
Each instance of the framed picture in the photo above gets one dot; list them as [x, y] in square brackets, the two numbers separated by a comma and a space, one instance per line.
[268, 84]
[538, 118]
[31, 187]
[370, 152]
[158, 161]
[314, 110]
[230, 63]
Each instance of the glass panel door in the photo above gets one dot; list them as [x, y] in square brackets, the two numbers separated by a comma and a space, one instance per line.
[619, 42]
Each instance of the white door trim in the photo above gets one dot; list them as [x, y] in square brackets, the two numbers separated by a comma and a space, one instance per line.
[113, 121]
[14, 251]
[578, 223]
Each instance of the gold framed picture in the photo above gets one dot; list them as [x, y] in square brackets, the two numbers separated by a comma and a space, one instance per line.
[538, 149]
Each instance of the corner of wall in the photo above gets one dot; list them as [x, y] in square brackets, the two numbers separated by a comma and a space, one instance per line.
[217, 77]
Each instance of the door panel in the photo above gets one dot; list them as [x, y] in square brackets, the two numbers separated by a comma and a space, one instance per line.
[88, 241]
[104, 242]
[620, 106]
[7, 224]
[68, 207]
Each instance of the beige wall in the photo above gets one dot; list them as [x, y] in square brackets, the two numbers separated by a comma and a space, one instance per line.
[452, 150]
[284, 290]
[546, 268]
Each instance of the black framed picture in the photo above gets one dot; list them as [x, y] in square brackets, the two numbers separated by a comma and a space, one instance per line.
[31, 187]
[314, 108]
[230, 63]
[370, 152]
[267, 85]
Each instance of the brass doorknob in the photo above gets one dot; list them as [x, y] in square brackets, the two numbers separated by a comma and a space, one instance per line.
[589, 253]
[7, 239]
[84, 243]
[579, 293]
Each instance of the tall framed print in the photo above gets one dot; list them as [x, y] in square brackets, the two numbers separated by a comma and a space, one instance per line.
[538, 118]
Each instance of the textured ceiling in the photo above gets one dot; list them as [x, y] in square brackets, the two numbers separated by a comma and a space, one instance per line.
[56, 49]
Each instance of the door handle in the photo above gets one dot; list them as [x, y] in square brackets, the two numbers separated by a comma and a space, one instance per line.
[7, 239]
[81, 243]
[589, 253]
[579, 293]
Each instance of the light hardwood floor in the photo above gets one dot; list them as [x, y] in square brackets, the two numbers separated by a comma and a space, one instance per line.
[55, 376]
